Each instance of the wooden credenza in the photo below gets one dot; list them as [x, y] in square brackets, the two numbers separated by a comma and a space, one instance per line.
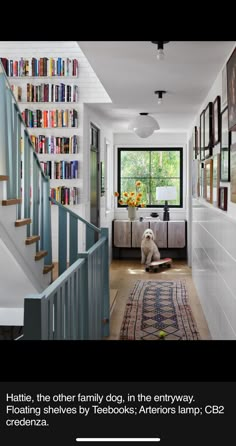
[170, 237]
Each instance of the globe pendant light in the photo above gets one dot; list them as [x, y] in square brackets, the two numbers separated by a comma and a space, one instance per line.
[143, 125]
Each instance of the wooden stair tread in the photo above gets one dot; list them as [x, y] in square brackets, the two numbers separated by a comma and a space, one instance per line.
[4, 178]
[113, 296]
[11, 201]
[22, 222]
[40, 254]
[32, 239]
[48, 268]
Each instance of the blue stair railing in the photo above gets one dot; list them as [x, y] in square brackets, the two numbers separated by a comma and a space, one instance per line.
[27, 183]
[76, 304]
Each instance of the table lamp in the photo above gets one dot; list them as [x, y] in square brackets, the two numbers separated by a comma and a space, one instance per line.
[166, 193]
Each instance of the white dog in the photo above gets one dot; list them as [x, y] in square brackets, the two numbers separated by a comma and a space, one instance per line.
[149, 249]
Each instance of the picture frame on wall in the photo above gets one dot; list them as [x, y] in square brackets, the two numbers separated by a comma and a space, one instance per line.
[209, 180]
[202, 134]
[208, 130]
[216, 180]
[223, 198]
[224, 101]
[102, 170]
[216, 121]
[225, 147]
[195, 143]
[233, 172]
[202, 180]
[231, 90]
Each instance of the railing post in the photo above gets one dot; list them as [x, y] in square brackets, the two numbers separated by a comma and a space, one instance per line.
[18, 160]
[90, 237]
[26, 175]
[46, 229]
[3, 127]
[62, 240]
[73, 239]
[35, 318]
[106, 282]
[35, 199]
[84, 293]
[11, 184]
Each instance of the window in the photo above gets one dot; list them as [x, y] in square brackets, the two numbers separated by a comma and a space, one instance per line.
[153, 167]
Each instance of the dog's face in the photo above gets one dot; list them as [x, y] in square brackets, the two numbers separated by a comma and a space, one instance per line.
[148, 234]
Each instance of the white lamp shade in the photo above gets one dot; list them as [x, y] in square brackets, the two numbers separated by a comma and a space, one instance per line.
[166, 193]
[143, 125]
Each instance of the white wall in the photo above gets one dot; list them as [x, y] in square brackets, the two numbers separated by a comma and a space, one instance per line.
[214, 251]
[156, 140]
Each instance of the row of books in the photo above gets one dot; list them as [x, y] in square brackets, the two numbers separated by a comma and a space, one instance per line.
[51, 93]
[55, 144]
[43, 66]
[65, 195]
[50, 118]
[60, 170]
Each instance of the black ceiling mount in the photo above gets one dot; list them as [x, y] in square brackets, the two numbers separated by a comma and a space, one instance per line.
[160, 43]
[143, 114]
[160, 93]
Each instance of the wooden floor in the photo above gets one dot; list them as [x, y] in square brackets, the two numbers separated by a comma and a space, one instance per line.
[123, 275]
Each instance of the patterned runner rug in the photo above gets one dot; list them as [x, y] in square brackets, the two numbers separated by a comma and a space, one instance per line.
[158, 309]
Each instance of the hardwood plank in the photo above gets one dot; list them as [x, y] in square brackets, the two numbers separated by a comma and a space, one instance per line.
[22, 222]
[40, 254]
[11, 201]
[32, 239]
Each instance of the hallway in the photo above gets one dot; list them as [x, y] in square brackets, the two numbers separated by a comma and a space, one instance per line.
[123, 275]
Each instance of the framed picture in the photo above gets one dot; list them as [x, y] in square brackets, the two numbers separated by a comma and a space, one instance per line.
[195, 143]
[216, 121]
[202, 134]
[216, 179]
[225, 147]
[231, 90]
[208, 133]
[224, 88]
[195, 179]
[233, 172]
[208, 180]
[102, 178]
[223, 198]
[202, 180]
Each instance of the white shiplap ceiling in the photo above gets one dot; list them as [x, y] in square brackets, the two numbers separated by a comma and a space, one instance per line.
[130, 73]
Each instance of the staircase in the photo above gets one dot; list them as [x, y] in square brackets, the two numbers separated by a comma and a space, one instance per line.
[76, 304]
[13, 233]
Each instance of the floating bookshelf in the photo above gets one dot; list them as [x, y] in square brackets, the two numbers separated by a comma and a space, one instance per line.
[43, 67]
[47, 91]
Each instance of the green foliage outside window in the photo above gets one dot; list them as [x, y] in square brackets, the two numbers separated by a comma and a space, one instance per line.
[153, 167]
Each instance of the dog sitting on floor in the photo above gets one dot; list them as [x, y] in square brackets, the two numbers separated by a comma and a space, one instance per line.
[149, 249]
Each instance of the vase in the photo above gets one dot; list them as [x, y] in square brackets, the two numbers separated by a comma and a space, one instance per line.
[131, 213]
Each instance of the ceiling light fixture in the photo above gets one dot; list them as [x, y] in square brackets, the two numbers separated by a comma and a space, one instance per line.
[160, 48]
[160, 94]
[143, 125]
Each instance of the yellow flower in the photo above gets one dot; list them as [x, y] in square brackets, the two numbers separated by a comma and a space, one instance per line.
[131, 198]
